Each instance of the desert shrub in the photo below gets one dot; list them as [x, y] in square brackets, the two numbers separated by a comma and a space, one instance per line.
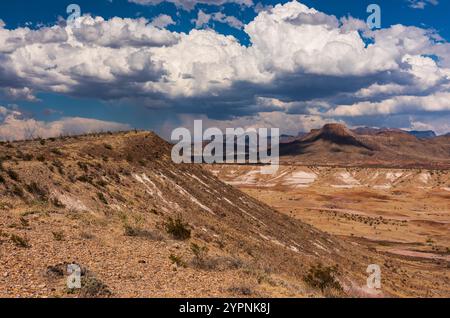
[40, 158]
[177, 260]
[72, 178]
[102, 198]
[241, 290]
[12, 174]
[59, 165]
[19, 241]
[177, 228]
[130, 230]
[83, 166]
[37, 190]
[130, 158]
[55, 271]
[57, 152]
[28, 157]
[108, 146]
[200, 255]
[2, 180]
[92, 287]
[58, 235]
[102, 183]
[323, 277]
[138, 232]
[17, 191]
[24, 222]
[85, 179]
[42, 142]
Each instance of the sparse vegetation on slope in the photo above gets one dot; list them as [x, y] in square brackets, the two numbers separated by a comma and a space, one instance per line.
[136, 217]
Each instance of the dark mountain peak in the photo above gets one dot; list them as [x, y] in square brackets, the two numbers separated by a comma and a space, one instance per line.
[336, 130]
[338, 134]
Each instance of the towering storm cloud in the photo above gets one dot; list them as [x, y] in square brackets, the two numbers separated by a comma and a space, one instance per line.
[299, 62]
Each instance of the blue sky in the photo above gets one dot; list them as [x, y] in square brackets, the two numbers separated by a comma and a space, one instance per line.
[21, 12]
[148, 94]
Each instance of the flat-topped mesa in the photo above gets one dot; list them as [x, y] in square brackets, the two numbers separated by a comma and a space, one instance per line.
[338, 134]
[335, 144]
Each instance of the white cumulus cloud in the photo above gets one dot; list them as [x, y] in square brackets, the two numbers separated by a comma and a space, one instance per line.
[14, 127]
[310, 62]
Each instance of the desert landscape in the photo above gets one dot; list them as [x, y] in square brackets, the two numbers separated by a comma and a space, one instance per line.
[400, 213]
[136, 137]
[141, 226]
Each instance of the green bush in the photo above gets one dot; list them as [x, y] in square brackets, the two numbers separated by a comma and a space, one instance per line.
[102, 198]
[178, 229]
[57, 152]
[20, 241]
[200, 255]
[177, 260]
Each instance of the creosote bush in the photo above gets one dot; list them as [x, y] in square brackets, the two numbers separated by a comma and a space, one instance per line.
[177, 260]
[92, 287]
[57, 152]
[200, 255]
[20, 241]
[323, 277]
[37, 190]
[102, 198]
[130, 230]
[178, 229]
[58, 235]
[17, 191]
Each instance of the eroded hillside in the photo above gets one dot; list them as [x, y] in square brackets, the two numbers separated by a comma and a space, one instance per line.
[336, 145]
[141, 226]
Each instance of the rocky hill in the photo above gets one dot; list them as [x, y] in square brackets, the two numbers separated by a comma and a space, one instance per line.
[141, 226]
[336, 145]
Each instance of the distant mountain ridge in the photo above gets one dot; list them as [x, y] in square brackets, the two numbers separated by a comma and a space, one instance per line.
[335, 144]
[421, 134]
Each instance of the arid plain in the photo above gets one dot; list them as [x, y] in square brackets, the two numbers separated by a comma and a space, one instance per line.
[402, 214]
